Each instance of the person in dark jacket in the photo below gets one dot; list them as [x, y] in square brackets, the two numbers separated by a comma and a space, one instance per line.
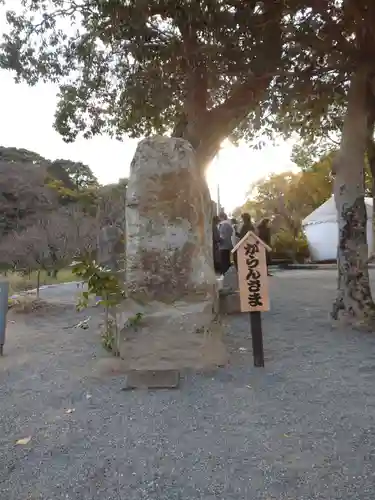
[246, 226]
[264, 233]
[225, 245]
[215, 244]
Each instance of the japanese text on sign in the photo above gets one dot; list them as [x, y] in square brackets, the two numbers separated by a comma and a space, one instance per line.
[252, 274]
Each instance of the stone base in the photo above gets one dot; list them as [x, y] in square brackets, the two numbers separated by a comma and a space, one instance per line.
[172, 337]
[230, 280]
[229, 296]
[230, 303]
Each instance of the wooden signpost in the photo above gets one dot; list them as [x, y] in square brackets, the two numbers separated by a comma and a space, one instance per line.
[253, 287]
[4, 291]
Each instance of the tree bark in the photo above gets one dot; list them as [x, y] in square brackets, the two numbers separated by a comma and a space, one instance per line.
[354, 298]
[38, 284]
[371, 152]
[371, 160]
[206, 131]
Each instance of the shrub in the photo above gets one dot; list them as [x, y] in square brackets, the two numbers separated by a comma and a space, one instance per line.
[287, 247]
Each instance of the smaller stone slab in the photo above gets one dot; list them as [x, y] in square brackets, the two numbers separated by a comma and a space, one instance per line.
[152, 379]
[230, 280]
[229, 302]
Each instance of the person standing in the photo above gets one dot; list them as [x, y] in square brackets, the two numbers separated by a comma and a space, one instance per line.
[233, 221]
[216, 243]
[246, 226]
[225, 244]
[264, 233]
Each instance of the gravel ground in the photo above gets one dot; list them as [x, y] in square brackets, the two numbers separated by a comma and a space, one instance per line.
[302, 428]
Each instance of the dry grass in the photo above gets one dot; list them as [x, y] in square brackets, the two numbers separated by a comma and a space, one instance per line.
[25, 304]
[29, 303]
[20, 283]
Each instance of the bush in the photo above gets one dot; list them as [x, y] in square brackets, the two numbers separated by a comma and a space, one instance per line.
[286, 247]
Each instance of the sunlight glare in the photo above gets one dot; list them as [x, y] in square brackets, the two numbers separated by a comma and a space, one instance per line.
[235, 168]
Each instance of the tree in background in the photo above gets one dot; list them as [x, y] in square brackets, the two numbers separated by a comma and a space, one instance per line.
[72, 175]
[80, 175]
[49, 244]
[23, 196]
[71, 182]
[288, 198]
[31, 185]
[82, 229]
[34, 249]
[22, 156]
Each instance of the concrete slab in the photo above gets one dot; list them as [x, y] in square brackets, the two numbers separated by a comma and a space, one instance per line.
[148, 379]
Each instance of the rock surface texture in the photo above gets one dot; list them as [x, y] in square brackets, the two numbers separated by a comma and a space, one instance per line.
[168, 223]
[169, 265]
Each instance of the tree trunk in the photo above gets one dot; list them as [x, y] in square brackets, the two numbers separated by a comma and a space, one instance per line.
[371, 158]
[38, 284]
[354, 298]
[371, 161]
[203, 135]
[206, 127]
[295, 246]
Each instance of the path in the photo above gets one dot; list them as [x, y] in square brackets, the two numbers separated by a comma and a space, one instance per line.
[66, 293]
[303, 428]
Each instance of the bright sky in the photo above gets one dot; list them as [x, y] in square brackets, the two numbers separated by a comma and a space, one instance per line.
[27, 118]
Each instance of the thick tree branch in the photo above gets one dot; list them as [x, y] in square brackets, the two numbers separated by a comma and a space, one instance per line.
[195, 68]
[242, 99]
[246, 95]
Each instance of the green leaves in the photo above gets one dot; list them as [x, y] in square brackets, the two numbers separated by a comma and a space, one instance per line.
[228, 68]
[101, 282]
[133, 67]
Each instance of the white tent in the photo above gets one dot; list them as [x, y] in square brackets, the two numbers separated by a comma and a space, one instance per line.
[321, 230]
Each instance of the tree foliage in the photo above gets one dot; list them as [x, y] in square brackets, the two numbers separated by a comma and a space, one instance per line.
[71, 175]
[23, 196]
[197, 68]
[314, 104]
[204, 69]
[80, 176]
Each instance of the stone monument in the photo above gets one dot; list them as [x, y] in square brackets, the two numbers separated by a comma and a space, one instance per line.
[170, 278]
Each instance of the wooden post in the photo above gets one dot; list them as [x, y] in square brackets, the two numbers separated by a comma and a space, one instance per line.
[4, 293]
[257, 338]
[253, 287]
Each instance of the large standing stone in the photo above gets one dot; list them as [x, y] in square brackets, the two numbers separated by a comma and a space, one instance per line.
[169, 264]
[168, 223]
